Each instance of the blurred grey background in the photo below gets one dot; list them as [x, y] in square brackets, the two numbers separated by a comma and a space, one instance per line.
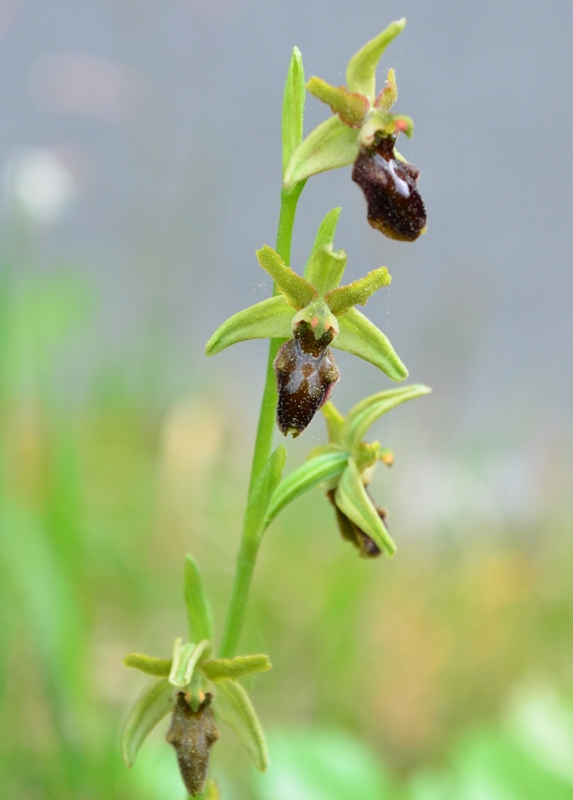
[140, 142]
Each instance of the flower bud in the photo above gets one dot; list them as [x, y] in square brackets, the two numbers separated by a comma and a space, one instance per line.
[306, 373]
[395, 206]
[192, 734]
[352, 533]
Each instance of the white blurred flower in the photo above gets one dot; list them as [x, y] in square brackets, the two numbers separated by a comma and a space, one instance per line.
[39, 182]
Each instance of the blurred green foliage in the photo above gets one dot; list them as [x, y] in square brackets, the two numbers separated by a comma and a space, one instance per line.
[435, 659]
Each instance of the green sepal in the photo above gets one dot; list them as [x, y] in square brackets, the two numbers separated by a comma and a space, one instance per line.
[158, 667]
[269, 318]
[154, 703]
[361, 70]
[185, 659]
[235, 708]
[359, 336]
[324, 235]
[297, 291]
[350, 106]
[198, 609]
[325, 268]
[230, 669]
[317, 470]
[319, 317]
[293, 106]
[256, 518]
[353, 500]
[334, 423]
[385, 123]
[357, 293]
[389, 93]
[365, 413]
[330, 145]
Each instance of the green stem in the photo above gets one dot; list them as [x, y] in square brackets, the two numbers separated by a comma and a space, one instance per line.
[247, 555]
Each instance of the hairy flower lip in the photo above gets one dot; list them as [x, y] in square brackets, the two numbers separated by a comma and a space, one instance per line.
[306, 373]
[390, 187]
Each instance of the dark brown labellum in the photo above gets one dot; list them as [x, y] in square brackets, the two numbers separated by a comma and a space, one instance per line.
[395, 206]
[352, 533]
[306, 373]
[192, 734]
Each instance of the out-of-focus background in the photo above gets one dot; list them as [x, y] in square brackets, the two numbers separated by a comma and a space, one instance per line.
[140, 167]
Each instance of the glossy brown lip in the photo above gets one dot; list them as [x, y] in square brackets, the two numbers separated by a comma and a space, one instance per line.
[306, 373]
[395, 206]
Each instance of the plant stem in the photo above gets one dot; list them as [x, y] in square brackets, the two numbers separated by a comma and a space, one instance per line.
[248, 550]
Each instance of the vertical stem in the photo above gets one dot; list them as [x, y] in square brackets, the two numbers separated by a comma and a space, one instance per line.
[248, 550]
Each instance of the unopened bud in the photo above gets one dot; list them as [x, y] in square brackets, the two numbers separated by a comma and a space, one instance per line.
[192, 734]
[306, 373]
[395, 206]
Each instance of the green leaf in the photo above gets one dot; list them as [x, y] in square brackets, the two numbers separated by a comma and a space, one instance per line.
[293, 106]
[326, 268]
[325, 234]
[389, 93]
[154, 703]
[359, 336]
[318, 470]
[361, 70]
[297, 291]
[353, 500]
[256, 518]
[185, 659]
[330, 145]
[270, 318]
[219, 669]
[159, 667]
[357, 293]
[235, 708]
[365, 413]
[350, 106]
[198, 608]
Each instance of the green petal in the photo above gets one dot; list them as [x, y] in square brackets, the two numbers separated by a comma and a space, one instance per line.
[159, 667]
[316, 471]
[350, 106]
[353, 500]
[297, 291]
[361, 70]
[185, 659]
[359, 336]
[330, 145]
[235, 708]
[325, 268]
[293, 106]
[365, 413]
[270, 318]
[154, 703]
[198, 608]
[230, 669]
[389, 93]
[325, 234]
[334, 423]
[357, 293]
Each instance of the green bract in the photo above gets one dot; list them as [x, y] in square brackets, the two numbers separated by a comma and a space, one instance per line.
[360, 115]
[318, 299]
[345, 465]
